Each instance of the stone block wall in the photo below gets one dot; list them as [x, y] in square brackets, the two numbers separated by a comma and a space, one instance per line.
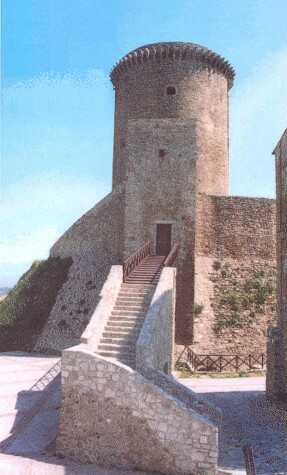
[94, 243]
[161, 189]
[107, 300]
[113, 416]
[235, 274]
[276, 383]
[200, 79]
[175, 389]
[155, 345]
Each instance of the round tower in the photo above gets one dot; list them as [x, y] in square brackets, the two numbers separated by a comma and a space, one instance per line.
[170, 143]
[176, 81]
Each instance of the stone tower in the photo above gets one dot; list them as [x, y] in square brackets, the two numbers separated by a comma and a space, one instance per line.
[170, 143]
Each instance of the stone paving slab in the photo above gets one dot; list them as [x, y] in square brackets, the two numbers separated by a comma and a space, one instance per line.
[13, 465]
[248, 417]
[18, 372]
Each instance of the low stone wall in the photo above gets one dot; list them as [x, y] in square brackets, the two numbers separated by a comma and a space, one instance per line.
[184, 394]
[113, 416]
[155, 345]
[94, 243]
[108, 296]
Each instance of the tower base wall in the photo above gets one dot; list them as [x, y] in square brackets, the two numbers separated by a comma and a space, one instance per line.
[235, 274]
[94, 243]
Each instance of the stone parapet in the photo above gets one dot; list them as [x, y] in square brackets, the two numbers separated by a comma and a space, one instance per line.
[154, 346]
[175, 389]
[107, 300]
[173, 51]
[113, 416]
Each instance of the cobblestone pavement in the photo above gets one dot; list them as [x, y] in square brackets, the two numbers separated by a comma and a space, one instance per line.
[248, 418]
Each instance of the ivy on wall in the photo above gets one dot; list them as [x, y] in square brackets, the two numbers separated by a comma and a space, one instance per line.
[242, 294]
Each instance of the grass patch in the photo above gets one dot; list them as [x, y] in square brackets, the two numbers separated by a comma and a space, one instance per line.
[240, 299]
[25, 310]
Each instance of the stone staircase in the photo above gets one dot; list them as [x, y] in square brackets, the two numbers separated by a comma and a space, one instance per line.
[124, 325]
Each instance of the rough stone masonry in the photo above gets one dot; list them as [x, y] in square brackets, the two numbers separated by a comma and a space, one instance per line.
[276, 381]
[171, 167]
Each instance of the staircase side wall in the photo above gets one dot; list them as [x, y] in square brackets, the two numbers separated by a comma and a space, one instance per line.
[113, 416]
[155, 345]
[94, 243]
[172, 387]
[99, 318]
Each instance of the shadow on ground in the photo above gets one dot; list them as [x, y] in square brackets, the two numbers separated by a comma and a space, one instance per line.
[250, 418]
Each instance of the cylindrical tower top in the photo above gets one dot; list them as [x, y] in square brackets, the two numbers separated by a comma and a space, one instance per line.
[176, 82]
[159, 52]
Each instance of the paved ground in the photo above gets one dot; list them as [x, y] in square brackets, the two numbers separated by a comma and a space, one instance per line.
[18, 373]
[45, 465]
[247, 418]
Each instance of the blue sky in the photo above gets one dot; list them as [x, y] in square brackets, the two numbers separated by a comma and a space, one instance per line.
[57, 102]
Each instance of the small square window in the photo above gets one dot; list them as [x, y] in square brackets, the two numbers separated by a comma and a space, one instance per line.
[162, 153]
[170, 90]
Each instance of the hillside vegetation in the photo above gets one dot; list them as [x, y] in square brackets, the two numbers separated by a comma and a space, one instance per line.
[25, 310]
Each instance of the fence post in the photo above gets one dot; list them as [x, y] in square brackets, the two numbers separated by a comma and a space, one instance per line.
[249, 362]
[220, 363]
[249, 460]
[236, 363]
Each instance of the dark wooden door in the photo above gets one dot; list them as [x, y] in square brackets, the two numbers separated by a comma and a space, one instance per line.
[163, 239]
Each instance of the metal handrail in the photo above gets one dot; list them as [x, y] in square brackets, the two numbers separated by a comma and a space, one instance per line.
[47, 377]
[131, 262]
[171, 257]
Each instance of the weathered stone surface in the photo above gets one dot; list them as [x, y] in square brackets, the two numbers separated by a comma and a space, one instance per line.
[276, 382]
[95, 243]
[235, 261]
[129, 422]
[107, 299]
[155, 345]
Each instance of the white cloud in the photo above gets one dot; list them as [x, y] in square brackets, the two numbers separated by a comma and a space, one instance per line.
[258, 118]
[52, 194]
[27, 247]
[36, 211]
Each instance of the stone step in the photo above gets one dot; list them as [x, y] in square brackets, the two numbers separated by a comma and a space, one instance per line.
[128, 340]
[117, 325]
[132, 294]
[147, 287]
[126, 320]
[132, 313]
[117, 328]
[130, 307]
[144, 271]
[140, 280]
[115, 347]
[132, 301]
[116, 354]
[121, 334]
